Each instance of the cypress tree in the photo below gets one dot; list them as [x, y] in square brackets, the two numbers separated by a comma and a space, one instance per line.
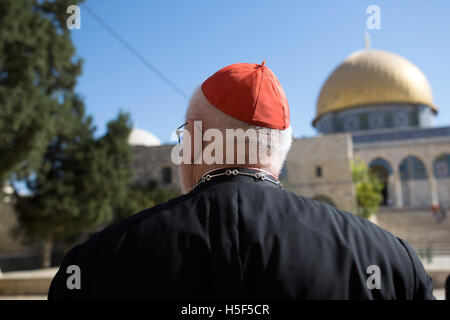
[79, 181]
[38, 70]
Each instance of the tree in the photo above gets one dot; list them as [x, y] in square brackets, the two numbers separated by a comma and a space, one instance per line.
[140, 197]
[368, 189]
[78, 181]
[38, 70]
[116, 160]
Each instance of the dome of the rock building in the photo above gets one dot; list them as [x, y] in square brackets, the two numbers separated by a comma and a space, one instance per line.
[373, 77]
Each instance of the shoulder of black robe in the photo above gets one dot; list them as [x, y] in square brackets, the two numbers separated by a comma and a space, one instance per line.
[239, 238]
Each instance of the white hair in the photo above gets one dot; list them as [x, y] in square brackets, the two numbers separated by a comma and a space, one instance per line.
[201, 109]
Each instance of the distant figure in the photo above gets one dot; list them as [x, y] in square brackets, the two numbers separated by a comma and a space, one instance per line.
[443, 211]
[236, 233]
[439, 212]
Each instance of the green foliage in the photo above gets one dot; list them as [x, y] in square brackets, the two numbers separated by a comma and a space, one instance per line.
[143, 196]
[368, 189]
[38, 71]
[76, 181]
[114, 163]
[79, 180]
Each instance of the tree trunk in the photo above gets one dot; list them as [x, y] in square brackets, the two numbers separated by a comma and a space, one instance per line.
[47, 253]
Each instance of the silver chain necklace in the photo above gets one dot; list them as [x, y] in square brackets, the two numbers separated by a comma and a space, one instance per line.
[235, 172]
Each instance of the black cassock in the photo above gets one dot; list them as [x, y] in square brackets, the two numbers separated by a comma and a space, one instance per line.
[237, 237]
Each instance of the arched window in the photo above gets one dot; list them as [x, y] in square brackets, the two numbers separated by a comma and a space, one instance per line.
[382, 169]
[166, 173]
[351, 123]
[380, 162]
[412, 168]
[324, 199]
[376, 121]
[401, 119]
[441, 166]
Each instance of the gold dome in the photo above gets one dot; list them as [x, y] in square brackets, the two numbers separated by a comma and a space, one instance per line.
[370, 77]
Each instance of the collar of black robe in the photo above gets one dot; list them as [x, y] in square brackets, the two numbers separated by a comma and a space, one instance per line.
[230, 173]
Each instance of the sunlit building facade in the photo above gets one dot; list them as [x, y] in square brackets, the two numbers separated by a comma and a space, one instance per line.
[385, 103]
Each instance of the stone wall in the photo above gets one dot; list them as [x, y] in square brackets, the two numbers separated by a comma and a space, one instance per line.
[320, 167]
[411, 193]
[443, 187]
[149, 164]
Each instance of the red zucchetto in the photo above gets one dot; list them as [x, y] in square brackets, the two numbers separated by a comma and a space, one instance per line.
[250, 93]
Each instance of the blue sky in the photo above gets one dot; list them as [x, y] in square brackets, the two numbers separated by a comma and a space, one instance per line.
[301, 41]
